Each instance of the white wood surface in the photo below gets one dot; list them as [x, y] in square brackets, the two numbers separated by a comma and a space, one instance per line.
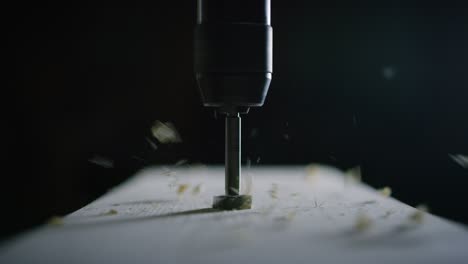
[312, 220]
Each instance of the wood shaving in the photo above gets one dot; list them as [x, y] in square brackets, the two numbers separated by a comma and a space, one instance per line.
[135, 157]
[369, 202]
[388, 213]
[182, 188]
[418, 215]
[102, 161]
[273, 191]
[151, 143]
[180, 162]
[110, 212]
[385, 191]
[354, 121]
[461, 160]
[168, 172]
[363, 222]
[242, 235]
[247, 184]
[317, 204]
[312, 173]
[290, 216]
[173, 182]
[55, 221]
[287, 218]
[246, 181]
[312, 169]
[197, 165]
[165, 132]
[267, 210]
[353, 174]
[234, 190]
[197, 189]
[253, 133]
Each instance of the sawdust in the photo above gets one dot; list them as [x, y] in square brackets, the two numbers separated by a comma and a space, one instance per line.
[318, 204]
[246, 181]
[287, 218]
[173, 182]
[312, 169]
[110, 212]
[368, 202]
[197, 166]
[389, 72]
[388, 213]
[253, 133]
[273, 191]
[290, 216]
[180, 162]
[267, 211]
[55, 221]
[169, 172]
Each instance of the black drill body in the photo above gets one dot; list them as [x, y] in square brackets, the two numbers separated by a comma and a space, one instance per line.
[233, 68]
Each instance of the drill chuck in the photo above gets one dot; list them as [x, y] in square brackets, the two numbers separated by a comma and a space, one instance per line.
[233, 52]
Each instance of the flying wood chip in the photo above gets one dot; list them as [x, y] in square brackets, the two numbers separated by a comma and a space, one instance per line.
[165, 132]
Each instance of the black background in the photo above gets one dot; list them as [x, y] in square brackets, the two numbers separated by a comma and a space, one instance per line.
[381, 87]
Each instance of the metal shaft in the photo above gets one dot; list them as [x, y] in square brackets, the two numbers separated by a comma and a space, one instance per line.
[233, 154]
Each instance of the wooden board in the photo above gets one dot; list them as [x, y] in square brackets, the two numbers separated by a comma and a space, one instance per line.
[300, 215]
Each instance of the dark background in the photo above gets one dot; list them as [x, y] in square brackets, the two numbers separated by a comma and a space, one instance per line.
[381, 87]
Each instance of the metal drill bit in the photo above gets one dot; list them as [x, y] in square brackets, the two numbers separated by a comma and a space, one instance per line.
[233, 200]
[233, 154]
